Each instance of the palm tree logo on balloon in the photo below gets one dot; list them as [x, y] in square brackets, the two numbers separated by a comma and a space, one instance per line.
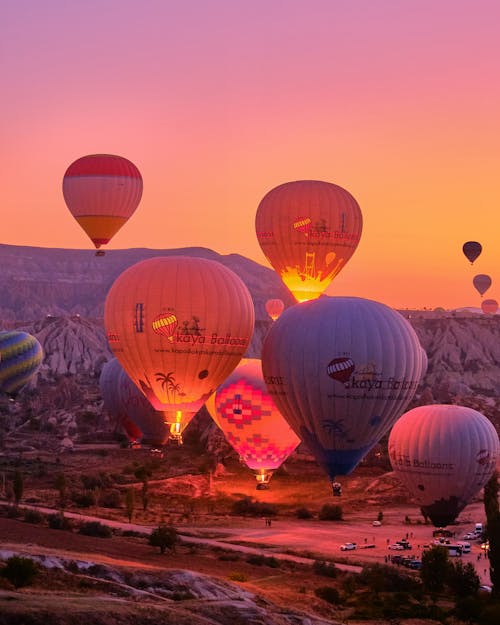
[170, 386]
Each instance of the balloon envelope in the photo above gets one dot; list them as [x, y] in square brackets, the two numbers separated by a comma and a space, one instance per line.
[250, 421]
[274, 308]
[341, 370]
[472, 249]
[178, 326]
[20, 358]
[108, 384]
[308, 230]
[102, 191]
[481, 283]
[489, 306]
[443, 454]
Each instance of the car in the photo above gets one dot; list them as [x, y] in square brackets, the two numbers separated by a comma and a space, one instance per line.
[376, 523]
[348, 546]
[469, 536]
[484, 588]
[415, 564]
[396, 547]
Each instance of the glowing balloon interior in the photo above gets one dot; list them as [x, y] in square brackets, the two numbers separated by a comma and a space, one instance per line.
[251, 423]
[341, 370]
[308, 230]
[443, 454]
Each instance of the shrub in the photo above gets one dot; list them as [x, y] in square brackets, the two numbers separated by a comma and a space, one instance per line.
[165, 537]
[20, 571]
[13, 512]
[110, 499]
[327, 569]
[59, 522]
[303, 513]
[33, 516]
[94, 528]
[85, 499]
[260, 560]
[248, 507]
[229, 557]
[237, 577]
[328, 593]
[330, 512]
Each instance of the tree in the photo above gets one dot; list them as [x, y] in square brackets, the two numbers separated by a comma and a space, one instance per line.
[492, 511]
[18, 486]
[435, 565]
[62, 488]
[462, 579]
[130, 503]
[20, 571]
[164, 537]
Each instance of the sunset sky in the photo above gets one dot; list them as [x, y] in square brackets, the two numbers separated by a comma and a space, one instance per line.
[219, 101]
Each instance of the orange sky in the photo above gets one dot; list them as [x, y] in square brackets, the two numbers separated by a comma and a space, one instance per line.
[217, 103]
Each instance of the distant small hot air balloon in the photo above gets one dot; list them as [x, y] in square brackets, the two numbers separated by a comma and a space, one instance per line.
[20, 358]
[472, 249]
[308, 230]
[274, 308]
[178, 325]
[481, 283]
[489, 306]
[251, 423]
[102, 191]
[341, 370]
[443, 454]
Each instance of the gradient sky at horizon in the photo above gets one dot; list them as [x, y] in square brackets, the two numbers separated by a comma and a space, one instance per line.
[218, 102]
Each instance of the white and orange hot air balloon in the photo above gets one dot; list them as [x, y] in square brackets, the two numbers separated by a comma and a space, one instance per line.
[102, 191]
[252, 424]
[274, 308]
[308, 230]
[179, 326]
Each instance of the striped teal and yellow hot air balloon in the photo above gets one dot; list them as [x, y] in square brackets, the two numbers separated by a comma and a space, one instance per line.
[20, 357]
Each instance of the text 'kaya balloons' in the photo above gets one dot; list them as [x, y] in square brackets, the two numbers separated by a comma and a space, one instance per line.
[482, 283]
[443, 454]
[472, 249]
[251, 423]
[341, 370]
[179, 326]
[102, 192]
[308, 230]
[20, 358]
[489, 306]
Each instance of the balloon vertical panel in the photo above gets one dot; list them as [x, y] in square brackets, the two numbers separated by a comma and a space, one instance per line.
[341, 371]
[178, 364]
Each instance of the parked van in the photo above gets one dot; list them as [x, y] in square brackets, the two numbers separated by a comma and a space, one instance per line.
[465, 546]
[478, 528]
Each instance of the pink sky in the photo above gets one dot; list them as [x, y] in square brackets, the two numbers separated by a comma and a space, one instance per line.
[217, 102]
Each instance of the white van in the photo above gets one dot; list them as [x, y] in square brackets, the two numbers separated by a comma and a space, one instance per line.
[465, 546]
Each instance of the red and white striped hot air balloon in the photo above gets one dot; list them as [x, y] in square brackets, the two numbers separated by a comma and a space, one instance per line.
[102, 191]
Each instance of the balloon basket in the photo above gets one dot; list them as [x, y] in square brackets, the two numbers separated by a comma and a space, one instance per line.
[336, 489]
[263, 478]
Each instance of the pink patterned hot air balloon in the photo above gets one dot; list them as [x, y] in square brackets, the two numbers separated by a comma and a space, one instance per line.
[251, 423]
[489, 306]
[274, 308]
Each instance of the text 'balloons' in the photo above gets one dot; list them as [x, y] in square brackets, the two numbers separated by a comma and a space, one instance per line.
[341, 370]
[308, 230]
[443, 454]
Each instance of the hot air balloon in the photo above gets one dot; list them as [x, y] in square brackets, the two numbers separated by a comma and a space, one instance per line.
[472, 249]
[108, 384]
[341, 370]
[274, 308]
[443, 454]
[481, 283]
[251, 423]
[102, 192]
[208, 319]
[20, 358]
[308, 230]
[489, 306]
